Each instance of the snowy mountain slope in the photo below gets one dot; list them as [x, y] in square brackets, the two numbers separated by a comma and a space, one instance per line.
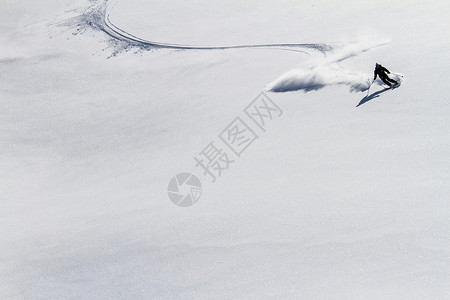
[332, 201]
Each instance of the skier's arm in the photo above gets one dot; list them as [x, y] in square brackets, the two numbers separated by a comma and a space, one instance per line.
[375, 74]
[386, 70]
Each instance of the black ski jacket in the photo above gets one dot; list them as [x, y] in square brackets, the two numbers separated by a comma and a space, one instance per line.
[380, 71]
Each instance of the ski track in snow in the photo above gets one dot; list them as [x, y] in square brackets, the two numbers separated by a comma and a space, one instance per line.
[97, 17]
[327, 73]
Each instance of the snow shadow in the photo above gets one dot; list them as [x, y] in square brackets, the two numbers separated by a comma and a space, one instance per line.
[371, 97]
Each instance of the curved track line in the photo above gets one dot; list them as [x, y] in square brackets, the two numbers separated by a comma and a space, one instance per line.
[97, 17]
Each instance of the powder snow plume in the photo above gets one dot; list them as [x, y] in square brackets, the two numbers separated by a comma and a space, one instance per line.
[327, 72]
[319, 77]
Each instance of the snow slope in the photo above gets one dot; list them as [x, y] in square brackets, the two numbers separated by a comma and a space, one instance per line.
[333, 201]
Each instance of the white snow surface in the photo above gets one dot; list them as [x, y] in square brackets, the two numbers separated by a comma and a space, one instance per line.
[342, 197]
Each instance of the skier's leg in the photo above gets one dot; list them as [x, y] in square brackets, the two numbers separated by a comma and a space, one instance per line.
[388, 80]
[392, 80]
[385, 79]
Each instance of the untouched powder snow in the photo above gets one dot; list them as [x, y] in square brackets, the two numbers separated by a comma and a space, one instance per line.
[344, 195]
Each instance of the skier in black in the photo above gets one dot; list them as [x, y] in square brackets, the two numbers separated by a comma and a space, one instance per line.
[381, 71]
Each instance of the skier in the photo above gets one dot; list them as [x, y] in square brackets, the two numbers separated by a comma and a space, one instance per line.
[381, 71]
